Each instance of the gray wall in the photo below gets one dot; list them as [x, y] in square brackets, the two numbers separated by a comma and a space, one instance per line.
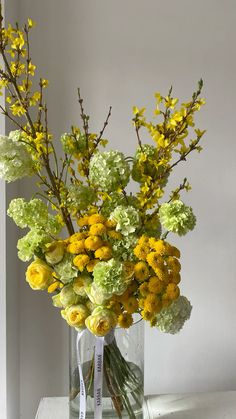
[120, 53]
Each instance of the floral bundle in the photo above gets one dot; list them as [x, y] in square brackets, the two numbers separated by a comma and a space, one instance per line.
[116, 260]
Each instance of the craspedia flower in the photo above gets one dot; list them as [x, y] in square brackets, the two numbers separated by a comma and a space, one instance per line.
[93, 243]
[76, 247]
[97, 229]
[126, 218]
[177, 217]
[110, 277]
[141, 271]
[172, 318]
[32, 243]
[80, 261]
[95, 219]
[15, 160]
[125, 320]
[109, 170]
[30, 214]
[80, 197]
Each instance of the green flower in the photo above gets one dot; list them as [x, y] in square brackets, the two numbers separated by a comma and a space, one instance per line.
[73, 144]
[114, 200]
[68, 297]
[109, 171]
[15, 135]
[15, 160]
[109, 277]
[123, 249]
[32, 244]
[172, 318]
[177, 217]
[65, 269]
[80, 197]
[31, 214]
[127, 219]
[145, 165]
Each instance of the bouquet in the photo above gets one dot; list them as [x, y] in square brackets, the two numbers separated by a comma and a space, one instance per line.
[100, 250]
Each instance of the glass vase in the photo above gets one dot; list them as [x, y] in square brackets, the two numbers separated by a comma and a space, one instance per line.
[123, 372]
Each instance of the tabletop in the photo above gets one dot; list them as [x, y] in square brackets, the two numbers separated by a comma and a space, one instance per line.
[217, 405]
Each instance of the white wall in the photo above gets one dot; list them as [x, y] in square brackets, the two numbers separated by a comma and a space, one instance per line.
[120, 53]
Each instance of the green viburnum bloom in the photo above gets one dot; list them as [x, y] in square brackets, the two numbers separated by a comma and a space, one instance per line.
[15, 160]
[177, 217]
[65, 269]
[109, 277]
[123, 249]
[109, 171]
[145, 164]
[127, 219]
[73, 144]
[31, 214]
[114, 200]
[80, 197]
[15, 135]
[32, 244]
[172, 318]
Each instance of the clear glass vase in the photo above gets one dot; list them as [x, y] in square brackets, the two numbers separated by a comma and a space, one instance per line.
[123, 372]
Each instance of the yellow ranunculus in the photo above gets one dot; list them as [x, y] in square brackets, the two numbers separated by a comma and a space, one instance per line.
[101, 321]
[55, 252]
[39, 275]
[75, 315]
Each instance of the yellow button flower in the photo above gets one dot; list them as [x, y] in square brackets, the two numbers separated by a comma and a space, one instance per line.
[172, 291]
[125, 320]
[152, 303]
[103, 253]
[80, 261]
[76, 247]
[141, 271]
[155, 285]
[91, 265]
[144, 289]
[174, 264]
[96, 218]
[83, 221]
[131, 305]
[97, 229]
[93, 243]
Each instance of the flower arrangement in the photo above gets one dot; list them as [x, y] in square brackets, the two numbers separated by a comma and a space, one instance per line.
[115, 260]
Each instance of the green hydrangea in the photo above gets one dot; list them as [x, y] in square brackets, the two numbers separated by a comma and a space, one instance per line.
[109, 277]
[32, 244]
[177, 217]
[80, 196]
[114, 200]
[127, 219]
[73, 144]
[65, 269]
[30, 214]
[145, 164]
[122, 249]
[172, 318]
[109, 171]
[15, 160]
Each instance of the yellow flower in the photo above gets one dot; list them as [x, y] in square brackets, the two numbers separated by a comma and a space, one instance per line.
[76, 315]
[39, 275]
[83, 221]
[172, 291]
[76, 237]
[54, 252]
[93, 243]
[131, 305]
[141, 302]
[44, 83]
[174, 264]
[97, 229]
[147, 315]
[175, 252]
[153, 322]
[155, 285]
[103, 253]
[114, 235]
[96, 218]
[158, 245]
[76, 247]
[125, 320]
[110, 223]
[144, 289]
[81, 283]
[152, 303]
[141, 271]
[80, 261]
[141, 251]
[128, 269]
[101, 321]
[174, 277]
[53, 287]
[143, 240]
[155, 260]
[91, 265]
[115, 306]
[31, 23]
[165, 301]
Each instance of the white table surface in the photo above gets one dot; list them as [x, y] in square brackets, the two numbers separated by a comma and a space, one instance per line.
[218, 405]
